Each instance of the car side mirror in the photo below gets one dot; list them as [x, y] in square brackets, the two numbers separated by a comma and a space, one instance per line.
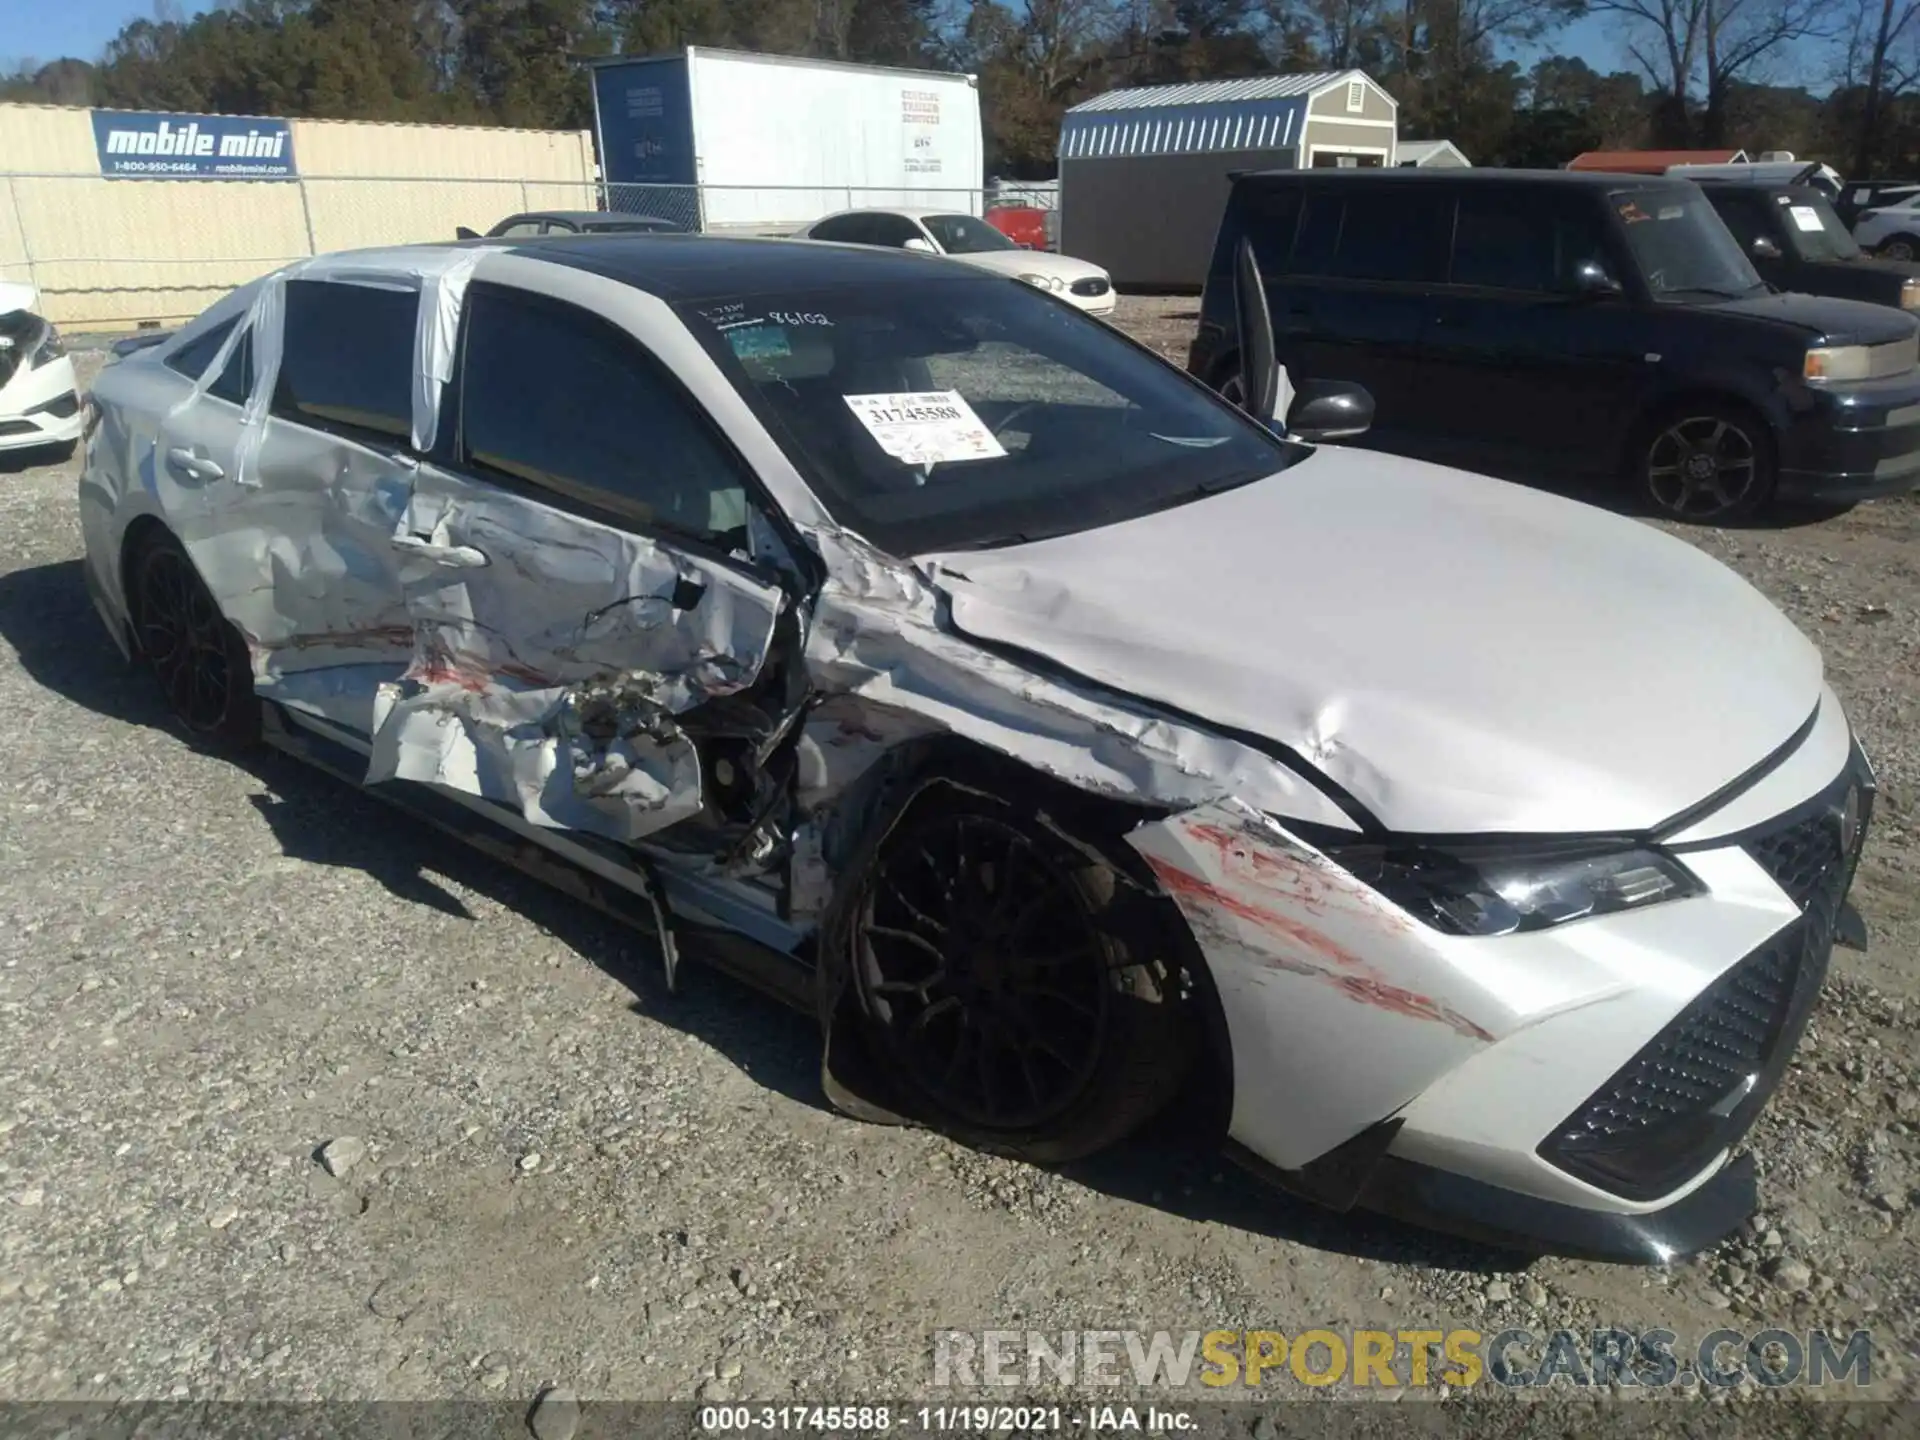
[1765, 249]
[1591, 281]
[461, 232]
[1329, 410]
[924, 247]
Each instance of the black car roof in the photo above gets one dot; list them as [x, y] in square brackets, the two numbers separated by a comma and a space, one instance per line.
[595, 217]
[1757, 188]
[687, 267]
[1570, 179]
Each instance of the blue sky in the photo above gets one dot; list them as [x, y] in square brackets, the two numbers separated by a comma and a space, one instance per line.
[45, 29]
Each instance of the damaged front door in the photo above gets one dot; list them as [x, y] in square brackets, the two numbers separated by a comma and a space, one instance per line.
[571, 580]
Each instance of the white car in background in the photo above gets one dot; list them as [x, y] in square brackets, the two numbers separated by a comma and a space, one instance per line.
[973, 241]
[39, 400]
[1891, 232]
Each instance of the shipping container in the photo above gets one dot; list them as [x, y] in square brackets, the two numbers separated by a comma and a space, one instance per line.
[773, 142]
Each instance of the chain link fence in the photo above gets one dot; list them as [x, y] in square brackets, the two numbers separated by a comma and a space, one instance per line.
[114, 254]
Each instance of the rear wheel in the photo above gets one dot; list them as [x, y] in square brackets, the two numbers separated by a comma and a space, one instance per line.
[1708, 462]
[1015, 985]
[195, 653]
[1899, 247]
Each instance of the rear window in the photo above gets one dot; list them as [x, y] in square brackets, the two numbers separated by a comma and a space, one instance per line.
[347, 359]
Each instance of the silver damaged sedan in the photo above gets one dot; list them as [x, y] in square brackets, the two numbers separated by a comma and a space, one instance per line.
[1074, 745]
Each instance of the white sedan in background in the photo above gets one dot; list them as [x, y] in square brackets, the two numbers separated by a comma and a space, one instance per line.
[1891, 232]
[39, 401]
[970, 239]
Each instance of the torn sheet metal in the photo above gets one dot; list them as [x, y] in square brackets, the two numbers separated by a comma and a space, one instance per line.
[600, 762]
[552, 655]
[1341, 1007]
[876, 634]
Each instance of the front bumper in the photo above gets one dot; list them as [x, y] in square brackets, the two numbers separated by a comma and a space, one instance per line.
[1578, 1089]
[1852, 442]
[41, 406]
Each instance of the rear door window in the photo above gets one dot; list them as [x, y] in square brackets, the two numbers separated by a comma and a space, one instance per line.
[235, 380]
[192, 358]
[347, 359]
[847, 229]
[1384, 234]
[596, 421]
[894, 230]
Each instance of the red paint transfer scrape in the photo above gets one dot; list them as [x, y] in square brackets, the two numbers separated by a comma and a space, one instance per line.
[1354, 977]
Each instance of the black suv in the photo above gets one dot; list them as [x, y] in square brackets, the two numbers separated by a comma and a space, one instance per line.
[1797, 242]
[1559, 322]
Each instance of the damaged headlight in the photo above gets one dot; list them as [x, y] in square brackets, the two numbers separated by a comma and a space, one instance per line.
[1468, 892]
[51, 347]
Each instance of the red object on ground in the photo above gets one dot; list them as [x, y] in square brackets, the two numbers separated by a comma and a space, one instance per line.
[1021, 224]
[1651, 162]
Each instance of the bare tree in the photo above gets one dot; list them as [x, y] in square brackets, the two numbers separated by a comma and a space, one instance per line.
[1873, 62]
[1689, 46]
[1740, 36]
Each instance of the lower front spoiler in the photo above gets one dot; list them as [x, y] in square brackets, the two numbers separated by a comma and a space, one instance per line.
[1478, 1211]
[1473, 1210]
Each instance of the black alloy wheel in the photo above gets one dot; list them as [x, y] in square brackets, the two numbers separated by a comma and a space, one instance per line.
[1016, 988]
[986, 969]
[196, 655]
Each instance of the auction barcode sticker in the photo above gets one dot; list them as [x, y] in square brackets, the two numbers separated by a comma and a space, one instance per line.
[925, 428]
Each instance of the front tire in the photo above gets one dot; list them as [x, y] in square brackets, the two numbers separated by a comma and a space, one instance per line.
[1899, 247]
[1709, 463]
[1015, 986]
[194, 651]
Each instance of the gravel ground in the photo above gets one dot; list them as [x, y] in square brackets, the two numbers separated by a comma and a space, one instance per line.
[306, 1102]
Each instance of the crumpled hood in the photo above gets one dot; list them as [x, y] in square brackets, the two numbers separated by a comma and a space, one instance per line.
[1464, 656]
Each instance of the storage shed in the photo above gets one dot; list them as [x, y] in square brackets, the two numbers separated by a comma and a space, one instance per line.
[1144, 173]
[1432, 155]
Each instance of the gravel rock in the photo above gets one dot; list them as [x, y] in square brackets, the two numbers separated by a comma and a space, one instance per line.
[340, 1155]
[1791, 1274]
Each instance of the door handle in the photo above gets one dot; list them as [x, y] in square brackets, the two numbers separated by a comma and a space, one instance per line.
[459, 557]
[201, 467]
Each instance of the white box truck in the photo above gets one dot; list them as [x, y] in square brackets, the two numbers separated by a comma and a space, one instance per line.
[726, 140]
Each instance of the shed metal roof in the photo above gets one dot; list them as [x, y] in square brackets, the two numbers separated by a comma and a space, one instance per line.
[1265, 112]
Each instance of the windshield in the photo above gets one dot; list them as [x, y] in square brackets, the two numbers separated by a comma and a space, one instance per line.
[1681, 248]
[965, 235]
[974, 412]
[1814, 231]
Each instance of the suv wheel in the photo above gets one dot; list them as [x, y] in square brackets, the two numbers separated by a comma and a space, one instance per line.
[1708, 462]
[1899, 247]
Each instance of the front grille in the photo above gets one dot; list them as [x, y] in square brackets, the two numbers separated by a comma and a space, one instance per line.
[1091, 287]
[1696, 1087]
[17, 427]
